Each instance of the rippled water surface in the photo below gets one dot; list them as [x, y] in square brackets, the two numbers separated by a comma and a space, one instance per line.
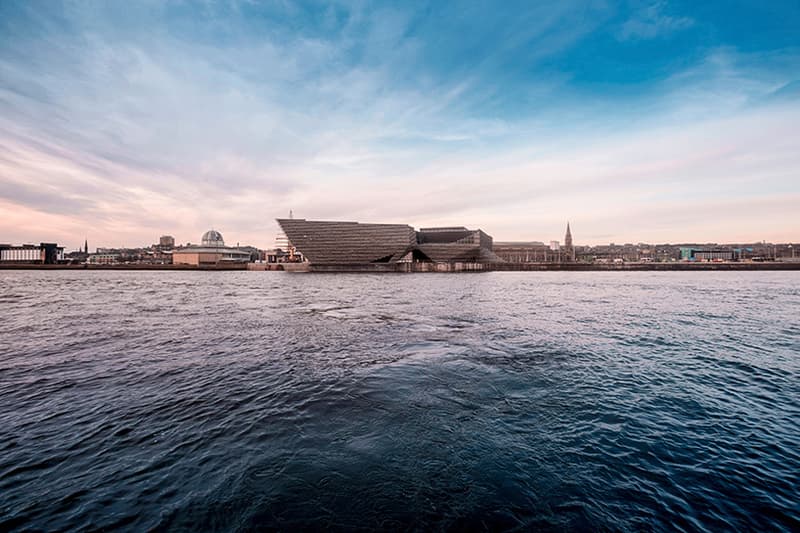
[265, 400]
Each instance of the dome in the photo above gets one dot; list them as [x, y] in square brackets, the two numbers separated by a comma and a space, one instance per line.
[213, 238]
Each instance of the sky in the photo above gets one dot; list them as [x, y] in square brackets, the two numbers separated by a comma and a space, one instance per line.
[640, 121]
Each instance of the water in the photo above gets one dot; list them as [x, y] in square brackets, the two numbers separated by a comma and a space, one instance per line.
[263, 400]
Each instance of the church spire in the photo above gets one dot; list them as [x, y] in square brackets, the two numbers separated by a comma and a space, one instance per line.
[568, 248]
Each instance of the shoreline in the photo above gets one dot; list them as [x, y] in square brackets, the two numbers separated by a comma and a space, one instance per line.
[440, 267]
[123, 267]
[651, 267]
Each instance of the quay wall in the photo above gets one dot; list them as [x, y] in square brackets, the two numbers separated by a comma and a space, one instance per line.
[400, 267]
[233, 266]
[543, 267]
[662, 267]
[433, 267]
[346, 267]
[264, 266]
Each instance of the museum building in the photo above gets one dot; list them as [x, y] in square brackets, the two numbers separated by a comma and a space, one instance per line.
[353, 243]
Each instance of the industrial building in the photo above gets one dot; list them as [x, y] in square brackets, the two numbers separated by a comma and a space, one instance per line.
[211, 251]
[355, 243]
[45, 253]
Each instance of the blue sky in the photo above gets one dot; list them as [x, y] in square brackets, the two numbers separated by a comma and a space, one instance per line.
[646, 121]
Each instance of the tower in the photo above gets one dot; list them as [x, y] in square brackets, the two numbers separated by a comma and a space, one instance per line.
[86, 246]
[569, 250]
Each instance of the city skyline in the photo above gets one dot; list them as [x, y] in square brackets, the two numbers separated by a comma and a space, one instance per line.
[659, 122]
[180, 243]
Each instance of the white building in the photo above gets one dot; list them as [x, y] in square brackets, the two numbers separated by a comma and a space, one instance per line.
[103, 259]
[43, 253]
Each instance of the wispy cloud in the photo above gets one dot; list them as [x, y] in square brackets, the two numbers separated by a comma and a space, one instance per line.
[651, 21]
[165, 120]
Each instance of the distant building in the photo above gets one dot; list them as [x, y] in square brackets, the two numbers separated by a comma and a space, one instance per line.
[569, 249]
[334, 242]
[212, 238]
[76, 257]
[166, 242]
[354, 243]
[707, 254]
[614, 253]
[451, 244]
[281, 241]
[45, 253]
[103, 258]
[255, 253]
[537, 252]
[283, 251]
[525, 252]
[212, 251]
[787, 253]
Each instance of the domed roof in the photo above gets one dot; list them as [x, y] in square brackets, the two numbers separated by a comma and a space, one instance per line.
[213, 238]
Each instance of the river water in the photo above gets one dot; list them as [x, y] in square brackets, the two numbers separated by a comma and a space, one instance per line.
[265, 400]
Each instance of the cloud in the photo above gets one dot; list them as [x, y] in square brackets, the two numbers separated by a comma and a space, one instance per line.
[161, 122]
[651, 22]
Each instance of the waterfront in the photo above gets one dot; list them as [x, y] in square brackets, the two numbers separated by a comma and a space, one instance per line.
[437, 267]
[552, 400]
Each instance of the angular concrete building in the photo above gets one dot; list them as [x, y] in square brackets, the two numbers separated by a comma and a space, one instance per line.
[455, 244]
[331, 242]
[353, 243]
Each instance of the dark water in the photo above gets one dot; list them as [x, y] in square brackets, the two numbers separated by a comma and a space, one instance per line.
[260, 400]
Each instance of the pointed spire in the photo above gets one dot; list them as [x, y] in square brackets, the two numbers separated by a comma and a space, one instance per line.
[568, 244]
